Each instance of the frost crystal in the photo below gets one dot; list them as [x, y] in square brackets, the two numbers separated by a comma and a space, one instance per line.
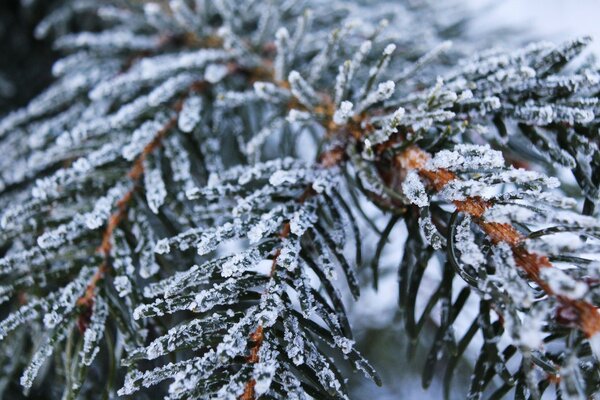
[343, 113]
[432, 235]
[467, 157]
[414, 189]
[190, 114]
[562, 284]
[470, 253]
[156, 191]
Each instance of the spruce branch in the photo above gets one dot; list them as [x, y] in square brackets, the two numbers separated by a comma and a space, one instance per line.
[175, 135]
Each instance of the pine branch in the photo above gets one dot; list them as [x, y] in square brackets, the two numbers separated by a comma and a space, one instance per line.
[172, 138]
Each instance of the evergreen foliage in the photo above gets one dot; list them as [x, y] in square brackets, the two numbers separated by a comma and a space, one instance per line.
[188, 210]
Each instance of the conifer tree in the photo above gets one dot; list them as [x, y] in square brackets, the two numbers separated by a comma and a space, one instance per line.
[191, 207]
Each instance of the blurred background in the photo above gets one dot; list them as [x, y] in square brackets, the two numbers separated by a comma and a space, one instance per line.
[554, 20]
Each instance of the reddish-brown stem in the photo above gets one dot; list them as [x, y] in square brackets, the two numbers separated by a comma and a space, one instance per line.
[586, 315]
[86, 302]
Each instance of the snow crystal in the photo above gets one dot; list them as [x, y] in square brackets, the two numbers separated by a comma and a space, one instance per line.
[294, 341]
[264, 373]
[215, 73]
[508, 213]
[302, 90]
[162, 246]
[142, 136]
[345, 344]
[530, 333]
[470, 253]
[154, 185]
[414, 190]
[280, 177]
[343, 113]
[507, 276]
[384, 91]
[562, 284]
[169, 88]
[431, 233]
[467, 157]
[302, 220]
[282, 39]
[94, 332]
[190, 114]
[288, 254]
[122, 285]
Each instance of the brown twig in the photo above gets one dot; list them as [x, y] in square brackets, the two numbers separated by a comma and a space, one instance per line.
[583, 314]
[86, 302]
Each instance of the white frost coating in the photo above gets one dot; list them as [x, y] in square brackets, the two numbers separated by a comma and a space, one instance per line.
[122, 285]
[270, 92]
[485, 186]
[235, 342]
[142, 136]
[162, 66]
[224, 293]
[347, 70]
[43, 352]
[530, 332]
[294, 340]
[466, 157]
[204, 239]
[190, 114]
[431, 233]
[298, 116]
[384, 91]
[24, 314]
[343, 112]
[545, 115]
[265, 370]
[107, 41]
[562, 284]
[345, 344]
[271, 305]
[508, 213]
[169, 88]
[280, 177]
[508, 276]
[49, 187]
[414, 190]
[237, 264]
[288, 254]
[214, 73]
[162, 246]
[470, 252]
[154, 185]
[66, 299]
[389, 49]
[267, 224]
[303, 219]
[245, 175]
[282, 42]
[82, 223]
[94, 332]
[341, 81]
[302, 90]
[389, 127]
[180, 164]
[253, 146]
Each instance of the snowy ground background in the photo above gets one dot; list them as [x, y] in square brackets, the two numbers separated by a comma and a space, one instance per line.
[542, 19]
[526, 21]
